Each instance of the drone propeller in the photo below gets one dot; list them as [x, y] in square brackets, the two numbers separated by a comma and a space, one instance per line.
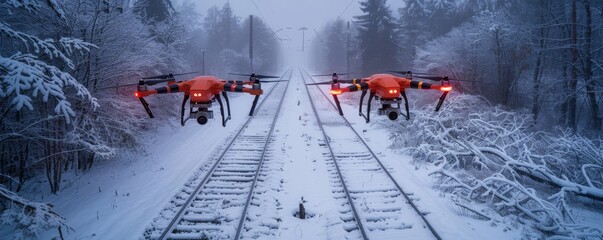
[117, 86]
[349, 81]
[321, 83]
[331, 74]
[167, 76]
[444, 78]
[258, 76]
[153, 82]
[282, 80]
[239, 82]
[407, 72]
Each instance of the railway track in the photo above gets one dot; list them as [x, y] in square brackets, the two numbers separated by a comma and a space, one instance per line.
[371, 199]
[214, 204]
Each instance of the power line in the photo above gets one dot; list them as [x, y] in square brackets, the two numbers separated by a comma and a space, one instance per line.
[346, 8]
[264, 19]
[327, 12]
[260, 11]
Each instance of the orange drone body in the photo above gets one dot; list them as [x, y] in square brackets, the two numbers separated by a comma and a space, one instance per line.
[388, 86]
[389, 89]
[202, 91]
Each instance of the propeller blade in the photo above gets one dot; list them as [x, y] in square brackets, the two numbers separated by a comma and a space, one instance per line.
[440, 78]
[256, 75]
[238, 82]
[275, 81]
[167, 76]
[153, 82]
[117, 86]
[350, 80]
[331, 74]
[434, 78]
[407, 72]
[321, 83]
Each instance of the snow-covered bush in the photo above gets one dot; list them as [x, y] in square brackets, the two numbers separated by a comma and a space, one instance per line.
[40, 101]
[487, 157]
[30, 217]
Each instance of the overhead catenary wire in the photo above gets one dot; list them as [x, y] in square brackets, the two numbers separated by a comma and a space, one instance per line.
[263, 17]
[346, 8]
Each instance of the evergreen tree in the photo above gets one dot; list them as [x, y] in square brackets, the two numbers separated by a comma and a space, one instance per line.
[377, 37]
[335, 49]
[413, 30]
[154, 10]
[228, 26]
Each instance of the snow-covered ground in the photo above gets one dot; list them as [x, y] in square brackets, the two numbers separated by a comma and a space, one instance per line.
[118, 199]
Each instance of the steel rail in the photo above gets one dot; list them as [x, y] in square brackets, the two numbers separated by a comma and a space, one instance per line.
[193, 195]
[412, 204]
[345, 188]
[257, 172]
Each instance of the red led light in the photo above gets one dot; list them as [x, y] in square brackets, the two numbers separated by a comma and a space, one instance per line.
[335, 91]
[446, 88]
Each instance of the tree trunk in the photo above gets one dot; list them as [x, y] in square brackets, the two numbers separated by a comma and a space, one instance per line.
[572, 105]
[590, 83]
[23, 156]
[539, 64]
[502, 97]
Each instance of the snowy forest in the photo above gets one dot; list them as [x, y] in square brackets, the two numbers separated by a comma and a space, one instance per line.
[521, 135]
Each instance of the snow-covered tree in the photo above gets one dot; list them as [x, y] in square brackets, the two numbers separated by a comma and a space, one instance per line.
[154, 10]
[36, 90]
[494, 163]
[377, 37]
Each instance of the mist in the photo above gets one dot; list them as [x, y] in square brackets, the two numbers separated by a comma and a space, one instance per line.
[494, 114]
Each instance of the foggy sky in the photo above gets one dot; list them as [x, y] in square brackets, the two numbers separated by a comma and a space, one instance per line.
[285, 17]
[283, 14]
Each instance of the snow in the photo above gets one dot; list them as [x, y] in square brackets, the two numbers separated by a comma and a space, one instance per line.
[119, 199]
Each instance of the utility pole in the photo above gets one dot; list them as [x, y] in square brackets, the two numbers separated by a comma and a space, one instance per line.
[348, 50]
[250, 43]
[203, 50]
[303, 29]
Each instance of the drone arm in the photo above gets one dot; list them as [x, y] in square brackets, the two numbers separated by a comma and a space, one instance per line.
[229, 87]
[172, 88]
[424, 85]
[356, 87]
[444, 88]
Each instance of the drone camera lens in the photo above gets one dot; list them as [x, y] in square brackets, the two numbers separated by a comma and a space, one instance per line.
[202, 120]
[392, 115]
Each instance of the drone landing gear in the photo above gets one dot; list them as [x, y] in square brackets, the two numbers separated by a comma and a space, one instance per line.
[441, 101]
[146, 107]
[224, 120]
[201, 112]
[337, 104]
[386, 107]
[182, 120]
[405, 106]
[255, 102]
[367, 117]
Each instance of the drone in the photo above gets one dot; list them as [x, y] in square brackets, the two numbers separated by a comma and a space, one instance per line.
[202, 92]
[387, 89]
